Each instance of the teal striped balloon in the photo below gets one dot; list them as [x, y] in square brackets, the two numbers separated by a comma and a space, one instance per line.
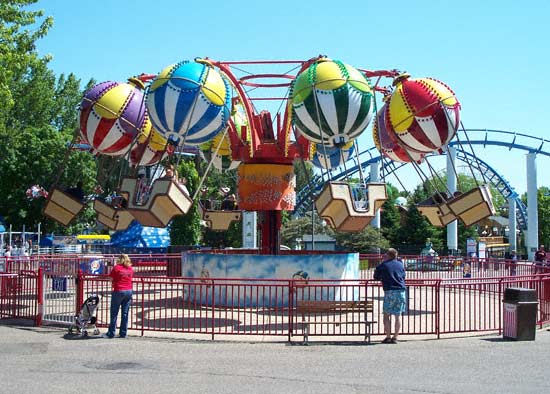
[331, 103]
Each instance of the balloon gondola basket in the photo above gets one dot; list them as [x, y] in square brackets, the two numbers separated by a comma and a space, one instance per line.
[473, 206]
[219, 220]
[337, 206]
[114, 219]
[436, 211]
[62, 207]
[166, 200]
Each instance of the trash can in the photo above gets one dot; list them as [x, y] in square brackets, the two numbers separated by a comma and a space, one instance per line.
[520, 314]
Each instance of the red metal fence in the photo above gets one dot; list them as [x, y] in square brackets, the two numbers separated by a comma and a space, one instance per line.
[144, 265]
[269, 307]
[20, 295]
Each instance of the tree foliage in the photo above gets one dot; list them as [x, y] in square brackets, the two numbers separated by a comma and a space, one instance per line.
[414, 232]
[370, 240]
[17, 49]
[294, 229]
[185, 229]
[37, 119]
[390, 217]
[544, 215]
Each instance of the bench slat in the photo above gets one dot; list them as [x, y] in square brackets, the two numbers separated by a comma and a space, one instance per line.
[304, 306]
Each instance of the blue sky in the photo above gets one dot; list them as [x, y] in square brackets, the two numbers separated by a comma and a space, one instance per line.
[494, 54]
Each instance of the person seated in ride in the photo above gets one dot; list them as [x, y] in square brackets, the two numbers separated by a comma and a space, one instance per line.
[182, 183]
[359, 194]
[205, 199]
[142, 188]
[117, 201]
[76, 192]
[170, 173]
[229, 203]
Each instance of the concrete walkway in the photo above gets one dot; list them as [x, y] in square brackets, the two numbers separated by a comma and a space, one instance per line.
[46, 360]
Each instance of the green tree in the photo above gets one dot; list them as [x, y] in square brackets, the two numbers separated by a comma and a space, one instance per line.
[367, 241]
[185, 229]
[37, 120]
[415, 231]
[304, 173]
[390, 216]
[294, 229]
[544, 215]
[19, 31]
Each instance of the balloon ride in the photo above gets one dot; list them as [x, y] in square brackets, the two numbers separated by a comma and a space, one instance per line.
[211, 105]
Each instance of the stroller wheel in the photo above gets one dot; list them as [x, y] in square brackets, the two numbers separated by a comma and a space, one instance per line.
[96, 331]
[84, 333]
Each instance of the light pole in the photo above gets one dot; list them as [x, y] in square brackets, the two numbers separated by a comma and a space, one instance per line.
[312, 226]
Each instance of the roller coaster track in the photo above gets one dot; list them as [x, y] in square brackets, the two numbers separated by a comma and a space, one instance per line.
[465, 138]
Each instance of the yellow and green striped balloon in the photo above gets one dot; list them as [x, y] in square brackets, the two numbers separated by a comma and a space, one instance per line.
[331, 102]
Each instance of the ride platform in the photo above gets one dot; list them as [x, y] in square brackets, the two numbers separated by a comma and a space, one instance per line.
[473, 206]
[337, 206]
[115, 219]
[217, 220]
[166, 200]
[62, 207]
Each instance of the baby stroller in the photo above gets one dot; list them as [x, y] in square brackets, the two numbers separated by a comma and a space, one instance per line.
[85, 320]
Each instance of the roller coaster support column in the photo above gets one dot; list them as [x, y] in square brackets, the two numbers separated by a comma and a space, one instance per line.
[512, 234]
[532, 241]
[452, 228]
[375, 177]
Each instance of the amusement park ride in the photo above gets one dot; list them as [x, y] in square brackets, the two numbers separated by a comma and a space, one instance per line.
[327, 105]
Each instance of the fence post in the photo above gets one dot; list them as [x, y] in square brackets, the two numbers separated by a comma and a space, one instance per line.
[142, 285]
[500, 306]
[40, 296]
[213, 306]
[290, 309]
[79, 281]
[437, 307]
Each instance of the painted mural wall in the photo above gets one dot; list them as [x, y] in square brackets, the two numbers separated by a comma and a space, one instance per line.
[262, 268]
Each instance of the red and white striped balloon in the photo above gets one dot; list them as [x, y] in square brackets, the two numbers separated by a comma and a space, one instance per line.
[386, 140]
[112, 114]
[424, 113]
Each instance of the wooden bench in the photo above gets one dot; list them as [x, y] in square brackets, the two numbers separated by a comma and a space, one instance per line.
[307, 309]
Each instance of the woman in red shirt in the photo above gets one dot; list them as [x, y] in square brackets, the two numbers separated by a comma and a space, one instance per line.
[121, 296]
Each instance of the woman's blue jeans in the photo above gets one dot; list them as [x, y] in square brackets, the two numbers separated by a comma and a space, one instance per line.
[120, 300]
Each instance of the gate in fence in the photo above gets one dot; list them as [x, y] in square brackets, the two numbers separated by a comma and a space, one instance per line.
[59, 298]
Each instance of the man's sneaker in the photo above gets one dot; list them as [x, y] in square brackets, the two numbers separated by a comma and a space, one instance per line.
[107, 336]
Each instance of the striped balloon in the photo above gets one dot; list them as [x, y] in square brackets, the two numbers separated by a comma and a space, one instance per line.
[424, 113]
[332, 156]
[189, 103]
[331, 102]
[387, 142]
[149, 151]
[112, 114]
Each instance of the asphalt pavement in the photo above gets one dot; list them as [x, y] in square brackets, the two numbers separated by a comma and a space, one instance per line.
[47, 360]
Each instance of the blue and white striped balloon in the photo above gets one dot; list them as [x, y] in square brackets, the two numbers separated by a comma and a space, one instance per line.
[331, 156]
[189, 103]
